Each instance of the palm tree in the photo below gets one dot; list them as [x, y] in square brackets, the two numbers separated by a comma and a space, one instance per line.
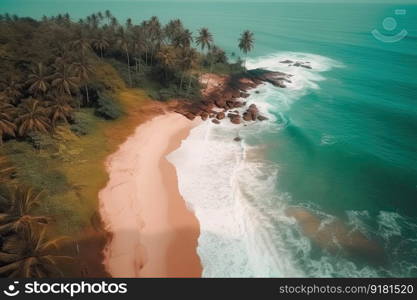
[189, 60]
[64, 79]
[108, 16]
[82, 71]
[154, 32]
[204, 39]
[32, 117]
[114, 23]
[123, 43]
[246, 43]
[129, 23]
[7, 127]
[12, 88]
[60, 109]
[81, 44]
[38, 81]
[183, 39]
[166, 56]
[19, 216]
[101, 44]
[172, 29]
[32, 254]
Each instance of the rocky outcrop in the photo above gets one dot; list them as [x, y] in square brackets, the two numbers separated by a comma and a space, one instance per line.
[228, 97]
[277, 79]
[302, 64]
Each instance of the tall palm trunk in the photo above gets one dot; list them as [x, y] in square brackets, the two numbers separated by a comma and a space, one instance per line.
[182, 77]
[86, 93]
[128, 67]
[101, 52]
[189, 85]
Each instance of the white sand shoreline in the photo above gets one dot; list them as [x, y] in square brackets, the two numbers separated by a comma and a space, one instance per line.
[153, 233]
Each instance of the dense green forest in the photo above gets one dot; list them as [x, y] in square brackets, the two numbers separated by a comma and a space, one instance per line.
[62, 82]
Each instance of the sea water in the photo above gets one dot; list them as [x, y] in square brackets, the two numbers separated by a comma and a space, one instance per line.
[341, 139]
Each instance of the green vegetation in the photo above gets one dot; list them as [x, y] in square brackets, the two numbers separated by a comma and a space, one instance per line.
[70, 93]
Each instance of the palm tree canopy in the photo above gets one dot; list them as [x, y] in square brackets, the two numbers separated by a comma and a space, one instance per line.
[81, 70]
[64, 80]
[19, 215]
[32, 117]
[38, 80]
[246, 41]
[60, 109]
[166, 55]
[32, 255]
[204, 38]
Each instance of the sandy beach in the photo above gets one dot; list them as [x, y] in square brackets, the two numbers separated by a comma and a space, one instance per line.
[153, 232]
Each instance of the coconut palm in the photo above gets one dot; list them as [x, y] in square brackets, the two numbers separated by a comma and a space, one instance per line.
[32, 117]
[204, 39]
[12, 88]
[82, 71]
[101, 43]
[81, 43]
[39, 80]
[124, 44]
[183, 39]
[155, 36]
[19, 216]
[7, 127]
[108, 16]
[172, 29]
[129, 23]
[189, 58]
[114, 23]
[32, 254]
[60, 109]
[166, 56]
[64, 80]
[246, 43]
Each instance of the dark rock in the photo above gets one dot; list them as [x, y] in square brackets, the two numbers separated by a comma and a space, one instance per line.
[220, 116]
[234, 118]
[221, 103]
[274, 78]
[287, 61]
[190, 116]
[204, 115]
[262, 118]
[215, 121]
[244, 95]
[238, 104]
[237, 139]
[247, 116]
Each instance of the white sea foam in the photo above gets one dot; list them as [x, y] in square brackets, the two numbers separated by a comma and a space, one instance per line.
[232, 189]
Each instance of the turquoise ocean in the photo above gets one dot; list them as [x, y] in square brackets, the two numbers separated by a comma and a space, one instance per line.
[341, 139]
